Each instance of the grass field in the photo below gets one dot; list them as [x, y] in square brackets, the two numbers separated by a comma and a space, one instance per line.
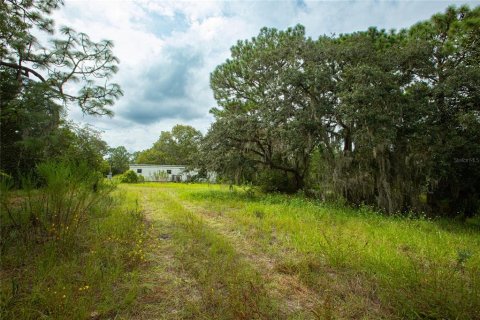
[214, 253]
[198, 251]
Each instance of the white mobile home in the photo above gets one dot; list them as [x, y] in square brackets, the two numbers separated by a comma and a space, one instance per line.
[161, 172]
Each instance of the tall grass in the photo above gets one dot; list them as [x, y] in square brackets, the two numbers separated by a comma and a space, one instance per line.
[68, 247]
[410, 267]
[228, 287]
[56, 209]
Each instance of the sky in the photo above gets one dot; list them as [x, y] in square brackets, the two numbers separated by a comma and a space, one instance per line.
[167, 50]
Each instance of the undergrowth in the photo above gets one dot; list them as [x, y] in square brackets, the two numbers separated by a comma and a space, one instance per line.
[69, 246]
[407, 266]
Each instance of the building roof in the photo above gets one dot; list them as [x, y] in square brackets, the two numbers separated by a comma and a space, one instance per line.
[157, 165]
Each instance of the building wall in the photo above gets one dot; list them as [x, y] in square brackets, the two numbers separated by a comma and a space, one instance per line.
[153, 172]
[162, 172]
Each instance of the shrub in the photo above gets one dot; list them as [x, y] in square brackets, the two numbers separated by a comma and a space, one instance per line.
[53, 202]
[65, 242]
[276, 181]
[130, 177]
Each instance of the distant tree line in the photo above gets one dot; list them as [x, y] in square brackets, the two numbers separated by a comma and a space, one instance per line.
[390, 119]
[179, 146]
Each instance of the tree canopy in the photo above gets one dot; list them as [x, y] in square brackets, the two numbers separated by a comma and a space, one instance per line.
[178, 146]
[119, 159]
[374, 117]
[71, 58]
[40, 79]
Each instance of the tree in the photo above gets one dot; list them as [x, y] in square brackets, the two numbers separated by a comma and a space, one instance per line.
[377, 159]
[73, 58]
[374, 117]
[26, 124]
[119, 159]
[38, 80]
[445, 60]
[265, 113]
[86, 146]
[180, 146]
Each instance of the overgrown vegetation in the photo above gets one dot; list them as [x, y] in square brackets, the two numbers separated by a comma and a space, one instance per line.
[66, 244]
[68, 248]
[348, 263]
[226, 286]
[36, 87]
[388, 119]
[129, 177]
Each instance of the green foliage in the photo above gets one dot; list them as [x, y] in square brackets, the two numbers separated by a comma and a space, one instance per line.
[160, 175]
[35, 88]
[224, 285]
[68, 192]
[370, 265]
[119, 159]
[67, 246]
[275, 181]
[261, 123]
[130, 177]
[72, 58]
[67, 142]
[373, 117]
[84, 145]
[180, 146]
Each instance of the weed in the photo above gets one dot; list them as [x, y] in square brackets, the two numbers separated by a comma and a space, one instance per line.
[463, 256]
[259, 214]
[66, 243]
[382, 266]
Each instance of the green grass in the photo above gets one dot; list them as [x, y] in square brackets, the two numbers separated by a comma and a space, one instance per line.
[358, 262]
[223, 285]
[210, 253]
[92, 273]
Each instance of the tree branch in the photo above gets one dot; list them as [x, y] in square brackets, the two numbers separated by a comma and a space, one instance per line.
[26, 69]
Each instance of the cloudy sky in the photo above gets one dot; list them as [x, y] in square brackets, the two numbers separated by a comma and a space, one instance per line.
[167, 49]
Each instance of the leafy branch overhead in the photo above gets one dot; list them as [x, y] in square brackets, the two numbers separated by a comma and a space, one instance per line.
[40, 79]
[75, 69]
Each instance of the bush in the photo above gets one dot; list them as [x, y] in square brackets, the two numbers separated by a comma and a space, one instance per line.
[276, 181]
[65, 242]
[53, 202]
[130, 177]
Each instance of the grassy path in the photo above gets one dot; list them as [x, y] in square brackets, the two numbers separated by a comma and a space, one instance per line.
[296, 299]
[195, 272]
[171, 292]
[171, 289]
[166, 288]
[218, 255]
